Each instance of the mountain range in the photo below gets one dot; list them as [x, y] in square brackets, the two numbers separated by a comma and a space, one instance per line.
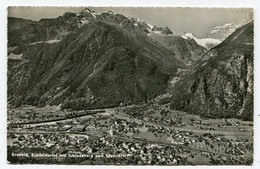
[218, 33]
[221, 86]
[88, 60]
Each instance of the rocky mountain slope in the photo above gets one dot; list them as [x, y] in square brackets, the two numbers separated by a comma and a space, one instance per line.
[22, 32]
[87, 60]
[99, 64]
[221, 86]
[186, 50]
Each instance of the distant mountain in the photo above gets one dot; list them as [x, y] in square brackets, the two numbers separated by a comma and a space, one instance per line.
[106, 61]
[219, 33]
[221, 86]
[222, 32]
[205, 42]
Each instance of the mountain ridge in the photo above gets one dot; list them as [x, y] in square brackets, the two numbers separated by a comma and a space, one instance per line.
[155, 59]
[222, 85]
[61, 61]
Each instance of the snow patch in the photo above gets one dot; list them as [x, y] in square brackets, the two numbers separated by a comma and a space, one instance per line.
[52, 41]
[184, 37]
[205, 42]
[190, 35]
[94, 14]
[48, 41]
[14, 56]
[150, 26]
[157, 32]
[11, 49]
[203, 64]
[84, 21]
[175, 80]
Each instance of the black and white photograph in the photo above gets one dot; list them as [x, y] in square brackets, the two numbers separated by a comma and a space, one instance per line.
[164, 86]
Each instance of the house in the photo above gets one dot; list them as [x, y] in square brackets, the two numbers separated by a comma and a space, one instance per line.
[52, 128]
[78, 128]
[170, 139]
[50, 144]
[66, 127]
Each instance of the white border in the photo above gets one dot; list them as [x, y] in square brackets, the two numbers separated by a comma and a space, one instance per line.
[141, 3]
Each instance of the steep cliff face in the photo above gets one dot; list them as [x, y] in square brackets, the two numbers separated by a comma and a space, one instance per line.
[221, 86]
[100, 64]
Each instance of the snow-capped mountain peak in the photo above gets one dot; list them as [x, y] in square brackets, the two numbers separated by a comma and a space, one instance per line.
[223, 31]
[188, 35]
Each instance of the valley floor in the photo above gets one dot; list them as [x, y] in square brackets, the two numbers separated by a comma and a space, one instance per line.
[133, 135]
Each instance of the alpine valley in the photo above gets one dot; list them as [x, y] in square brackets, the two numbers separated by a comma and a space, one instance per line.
[64, 68]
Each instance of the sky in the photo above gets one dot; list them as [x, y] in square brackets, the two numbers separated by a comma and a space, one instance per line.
[199, 21]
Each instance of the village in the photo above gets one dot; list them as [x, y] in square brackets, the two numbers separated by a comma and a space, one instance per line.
[137, 135]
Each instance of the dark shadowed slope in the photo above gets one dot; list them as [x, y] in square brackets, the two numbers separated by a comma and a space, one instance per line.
[100, 64]
[222, 86]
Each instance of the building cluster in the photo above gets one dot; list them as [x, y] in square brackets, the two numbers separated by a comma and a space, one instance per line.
[145, 139]
[138, 152]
